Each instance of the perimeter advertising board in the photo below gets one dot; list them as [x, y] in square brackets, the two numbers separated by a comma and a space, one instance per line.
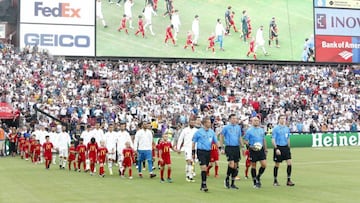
[337, 35]
[59, 39]
[63, 27]
[328, 139]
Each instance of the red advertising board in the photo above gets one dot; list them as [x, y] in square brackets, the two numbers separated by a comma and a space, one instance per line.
[333, 48]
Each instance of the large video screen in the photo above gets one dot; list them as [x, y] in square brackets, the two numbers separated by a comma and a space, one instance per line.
[293, 19]
[276, 30]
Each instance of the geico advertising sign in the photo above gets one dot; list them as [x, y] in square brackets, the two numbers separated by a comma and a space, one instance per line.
[337, 22]
[79, 12]
[64, 40]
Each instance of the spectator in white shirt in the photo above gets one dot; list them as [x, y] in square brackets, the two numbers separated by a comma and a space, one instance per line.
[143, 144]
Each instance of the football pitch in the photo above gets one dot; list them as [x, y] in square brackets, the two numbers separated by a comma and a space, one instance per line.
[294, 20]
[320, 175]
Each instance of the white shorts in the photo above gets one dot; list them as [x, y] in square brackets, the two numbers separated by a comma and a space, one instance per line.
[260, 43]
[100, 15]
[2, 145]
[120, 157]
[148, 21]
[188, 154]
[176, 28]
[63, 152]
[128, 15]
[111, 156]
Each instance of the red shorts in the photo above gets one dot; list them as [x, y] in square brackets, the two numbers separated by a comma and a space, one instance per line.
[214, 156]
[247, 163]
[71, 157]
[127, 162]
[166, 161]
[92, 158]
[37, 153]
[102, 159]
[81, 158]
[48, 156]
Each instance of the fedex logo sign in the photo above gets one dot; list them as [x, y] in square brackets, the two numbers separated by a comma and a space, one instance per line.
[62, 10]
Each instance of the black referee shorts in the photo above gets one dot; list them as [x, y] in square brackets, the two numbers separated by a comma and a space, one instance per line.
[233, 153]
[285, 154]
[203, 156]
[257, 155]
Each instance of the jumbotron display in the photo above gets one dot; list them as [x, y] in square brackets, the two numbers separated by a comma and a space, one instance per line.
[280, 30]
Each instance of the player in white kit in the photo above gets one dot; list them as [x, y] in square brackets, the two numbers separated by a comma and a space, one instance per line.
[99, 13]
[111, 140]
[185, 140]
[128, 12]
[123, 136]
[148, 13]
[259, 40]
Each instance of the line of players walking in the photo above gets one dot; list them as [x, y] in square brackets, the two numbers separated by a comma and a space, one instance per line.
[116, 147]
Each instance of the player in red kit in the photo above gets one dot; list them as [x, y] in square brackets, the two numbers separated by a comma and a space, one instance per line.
[128, 154]
[140, 27]
[101, 152]
[214, 159]
[36, 152]
[81, 154]
[157, 147]
[169, 34]
[211, 40]
[21, 142]
[47, 147]
[72, 155]
[165, 158]
[26, 148]
[32, 146]
[232, 21]
[155, 5]
[247, 161]
[249, 27]
[92, 148]
[189, 41]
[252, 48]
[123, 24]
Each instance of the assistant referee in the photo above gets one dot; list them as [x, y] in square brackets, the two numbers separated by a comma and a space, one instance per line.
[281, 142]
[203, 138]
[231, 136]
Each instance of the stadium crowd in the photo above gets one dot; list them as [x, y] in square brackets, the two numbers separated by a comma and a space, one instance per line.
[314, 98]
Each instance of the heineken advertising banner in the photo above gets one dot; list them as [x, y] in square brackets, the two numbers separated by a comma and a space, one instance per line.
[328, 139]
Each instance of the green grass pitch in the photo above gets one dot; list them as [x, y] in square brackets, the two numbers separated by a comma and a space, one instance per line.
[321, 175]
[294, 19]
